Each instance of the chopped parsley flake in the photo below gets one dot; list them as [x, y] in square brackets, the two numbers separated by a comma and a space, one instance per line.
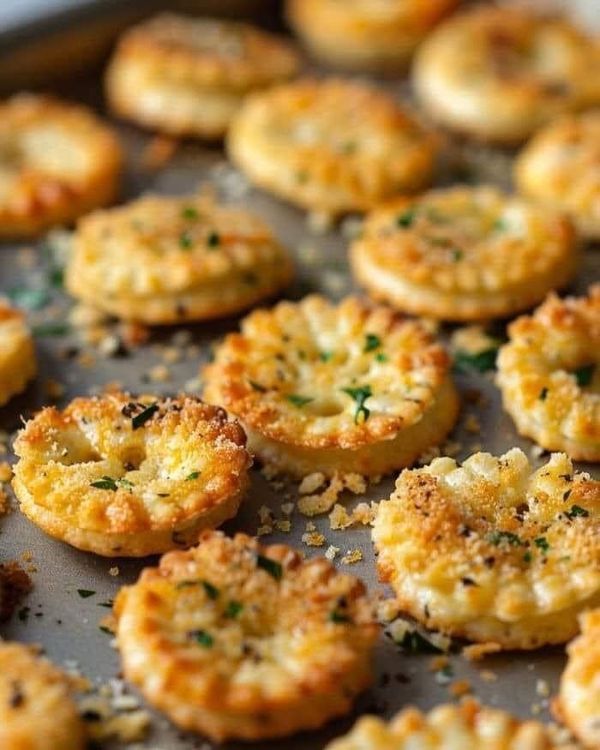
[339, 616]
[325, 356]
[51, 329]
[360, 395]
[140, 419]
[211, 591]
[203, 638]
[542, 543]
[413, 642]
[85, 593]
[381, 357]
[406, 219]
[584, 375]
[497, 537]
[30, 299]
[192, 475]
[577, 511]
[500, 225]
[527, 557]
[233, 609]
[213, 239]
[257, 386]
[482, 361]
[457, 255]
[272, 567]
[543, 394]
[106, 483]
[297, 400]
[185, 241]
[372, 342]
[189, 212]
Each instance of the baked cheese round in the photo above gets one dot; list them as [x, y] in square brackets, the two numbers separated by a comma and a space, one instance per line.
[239, 641]
[17, 354]
[493, 550]
[123, 476]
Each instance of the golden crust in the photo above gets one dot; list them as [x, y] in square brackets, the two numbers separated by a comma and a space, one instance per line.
[560, 167]
[499, 74]
[187, 76]
[17, 354]
[464, 253]
[37, 710]
[365, 35]
[467, 726]
[164, 260]
[493, 551]
[130, 477]
[235, 640]
[549, 375]
[331, 145]
[57, 161]
[579, 696]
[322, 387]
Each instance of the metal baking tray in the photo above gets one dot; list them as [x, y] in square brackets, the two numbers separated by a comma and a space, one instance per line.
[67, 625]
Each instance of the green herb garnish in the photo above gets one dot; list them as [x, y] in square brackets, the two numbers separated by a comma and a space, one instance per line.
[372, 342]
[257, 386]
[457, 255]
[406, 219]
[542, 543]
[497, 537]
[381, 357]
[189, 212]
[325, 356]
[297, 400]
[30, 299]
[413, 642]
[106, 483]
[85, 593]
[272, 567]
[51, 329]
[543, 394]
[482, 361]
[211, 591]
[360, 395]
[339, 616]
[584, 375]
[577, 511]
[140, 419]
[233, 609]
[185, 241]
[213, 239]
[192, 475]
[203, 638]
[527, 557]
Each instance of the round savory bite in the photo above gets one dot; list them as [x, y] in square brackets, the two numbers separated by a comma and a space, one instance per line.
[130, 477]
[549, 375]
[464, 253]
[239, 641]
[37, 709]
[500, 73]
[560, 167]
[163, 260]
[57, 161]
[467, 726]
[493, 550]
[17, 353]
[334, 388]
[579, 696]
[188, 76]
[333, 145]
[365, 35]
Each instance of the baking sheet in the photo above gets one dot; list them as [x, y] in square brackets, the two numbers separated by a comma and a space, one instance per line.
[68, 625]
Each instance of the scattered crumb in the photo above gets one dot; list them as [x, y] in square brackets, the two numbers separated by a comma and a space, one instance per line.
[159, 374]
[364, 514]
[312, 505]
[4, 502]
[283, 525]
[311, 483]
[114, 571]
[472, 340]
[319, 222]
[287, 509]
[157, 153]
[15, 584]
[5, 471]
[472, 424]
[313, 539]
[118, 717]
[477, 651]
[265, 514]
[438, 662]
[352, 556]
[542, 688]
[488, 676]
[331, 552]
[54, 390]
[264, 530]
[460, 687]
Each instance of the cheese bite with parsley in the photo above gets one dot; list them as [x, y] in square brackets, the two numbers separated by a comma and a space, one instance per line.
[578, 704]
[549, 375]
[365, 35]
[187, 76]
[468, 726]
[239, 641]
[330, 146]
[163, 260]
[57, 161]
[560, 167]
[37, 704]
[464, 253]
[500, 73]
[130, 477]
[17, 354]
[334, 388]
[493, 550]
